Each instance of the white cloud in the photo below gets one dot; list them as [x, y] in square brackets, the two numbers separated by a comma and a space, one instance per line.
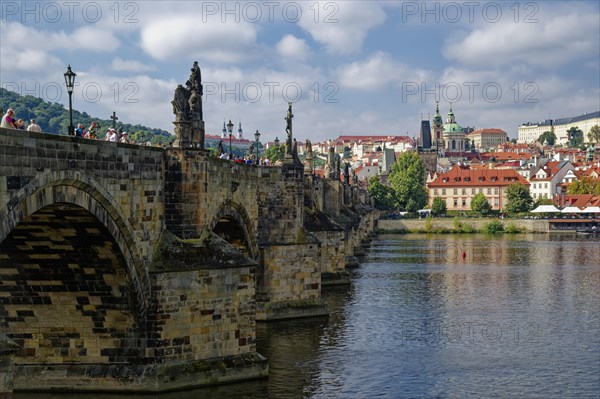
[186, 36]
[559, 40]
[87, 38]
[378, 71]
[341, 26]
[121, 65]
[291, 47]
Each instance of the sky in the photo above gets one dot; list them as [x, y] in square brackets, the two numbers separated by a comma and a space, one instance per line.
[348, 67]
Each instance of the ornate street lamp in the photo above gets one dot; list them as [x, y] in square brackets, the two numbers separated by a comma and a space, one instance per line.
[230, 131]
[70, 82]
[257, 137]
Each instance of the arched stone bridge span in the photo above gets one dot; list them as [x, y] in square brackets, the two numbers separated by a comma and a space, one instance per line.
[134, 268]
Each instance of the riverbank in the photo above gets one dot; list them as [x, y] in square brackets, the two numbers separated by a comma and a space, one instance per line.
[462, 225]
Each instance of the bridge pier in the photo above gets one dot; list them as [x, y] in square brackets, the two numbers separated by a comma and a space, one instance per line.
[7, 351]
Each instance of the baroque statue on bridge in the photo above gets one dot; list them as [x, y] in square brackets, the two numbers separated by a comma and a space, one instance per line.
[288, 129]
[181, 107]
[187, 107]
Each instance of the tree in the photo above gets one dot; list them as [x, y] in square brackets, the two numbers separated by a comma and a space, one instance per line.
[275, 153]
[547, 136]
[575, 136]
[480, 204]
[382, 195]
[518, 198]
[438, 206]
[347, 152]
[585, 185]
[407, 180]
[594, 134]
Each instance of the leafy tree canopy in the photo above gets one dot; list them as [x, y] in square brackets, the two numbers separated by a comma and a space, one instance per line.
[407, 180]
[518, 198]
[382, 195]
[594, 134]
[575, 136]
[480, 204]
[586, 185]
[438, 206]
[547, 136]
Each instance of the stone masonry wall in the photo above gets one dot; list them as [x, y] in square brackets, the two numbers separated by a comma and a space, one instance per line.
[205, 314]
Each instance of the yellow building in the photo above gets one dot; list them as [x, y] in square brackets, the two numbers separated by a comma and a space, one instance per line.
[487, 139]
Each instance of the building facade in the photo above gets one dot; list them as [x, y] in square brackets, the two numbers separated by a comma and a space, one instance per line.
[529, 132]
[459, 185]
[487, 139]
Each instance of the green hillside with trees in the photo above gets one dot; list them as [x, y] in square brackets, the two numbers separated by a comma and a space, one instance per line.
[54, 118]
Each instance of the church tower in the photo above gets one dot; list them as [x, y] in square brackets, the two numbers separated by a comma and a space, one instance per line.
[240, 133]
[454, 135]
[438, 128]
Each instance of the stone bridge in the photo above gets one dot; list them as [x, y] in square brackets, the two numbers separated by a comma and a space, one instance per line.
[135, 268]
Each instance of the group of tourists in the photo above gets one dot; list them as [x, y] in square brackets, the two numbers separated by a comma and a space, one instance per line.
[9, 121]
[111, 134]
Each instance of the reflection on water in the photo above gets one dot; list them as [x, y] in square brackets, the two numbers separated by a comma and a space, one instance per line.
[518, 317]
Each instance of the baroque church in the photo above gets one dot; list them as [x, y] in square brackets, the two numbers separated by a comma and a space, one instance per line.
[443, 137]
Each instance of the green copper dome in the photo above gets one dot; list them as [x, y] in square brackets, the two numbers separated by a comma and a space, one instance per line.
[451, 126]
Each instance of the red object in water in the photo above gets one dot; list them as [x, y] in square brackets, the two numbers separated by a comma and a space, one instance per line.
[464, 255]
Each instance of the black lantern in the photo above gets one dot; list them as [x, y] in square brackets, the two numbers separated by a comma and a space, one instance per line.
[70, 82]
[230, 131]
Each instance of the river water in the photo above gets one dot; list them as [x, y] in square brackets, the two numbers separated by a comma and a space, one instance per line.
[518, 317]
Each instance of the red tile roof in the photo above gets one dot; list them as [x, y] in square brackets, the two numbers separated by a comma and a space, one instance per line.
[461, 177]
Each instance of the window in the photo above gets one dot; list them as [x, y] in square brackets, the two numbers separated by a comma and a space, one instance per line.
[464, 202]
[435, 191]
[455, 202]
[481, 190]
[443, 191]
[534, 185]
[496, 190]
[489, 191]
[545, 185]
[472, 191]
[464, 191]
[455, 191]
[496, 202]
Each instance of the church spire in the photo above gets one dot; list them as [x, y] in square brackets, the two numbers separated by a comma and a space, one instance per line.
[224, 129]
[240, 133]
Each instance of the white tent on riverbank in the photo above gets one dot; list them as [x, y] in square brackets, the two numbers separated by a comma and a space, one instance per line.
[545, 209]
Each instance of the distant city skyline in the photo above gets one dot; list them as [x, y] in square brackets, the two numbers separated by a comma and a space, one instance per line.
[350, 68]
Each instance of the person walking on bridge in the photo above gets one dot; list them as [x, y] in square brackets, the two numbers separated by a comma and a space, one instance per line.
[8, 120]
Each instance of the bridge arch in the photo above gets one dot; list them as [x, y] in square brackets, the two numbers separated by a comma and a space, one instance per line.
[73, 187]
[232, 223]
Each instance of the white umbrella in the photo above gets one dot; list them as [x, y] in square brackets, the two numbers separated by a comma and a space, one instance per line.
[545, 209]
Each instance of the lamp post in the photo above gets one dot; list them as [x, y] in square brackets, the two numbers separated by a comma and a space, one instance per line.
[257, 137]
[70, 82]
[230, 131]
